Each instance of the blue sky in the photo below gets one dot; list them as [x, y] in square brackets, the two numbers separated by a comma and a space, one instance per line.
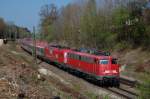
[25, 12]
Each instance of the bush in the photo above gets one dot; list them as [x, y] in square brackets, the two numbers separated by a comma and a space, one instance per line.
[122, 45]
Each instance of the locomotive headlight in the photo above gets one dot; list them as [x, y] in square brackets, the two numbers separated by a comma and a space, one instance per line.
[114, 71]
[106, 71]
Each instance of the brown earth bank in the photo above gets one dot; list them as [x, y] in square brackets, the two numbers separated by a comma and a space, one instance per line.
[21, 78]
[134, 62]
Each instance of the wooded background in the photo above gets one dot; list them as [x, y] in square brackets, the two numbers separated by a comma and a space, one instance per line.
[10, 31]
[103, 24]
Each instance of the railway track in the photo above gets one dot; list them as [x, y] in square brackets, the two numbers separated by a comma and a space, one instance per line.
[128, 81]
[127, 88]
[124, 91]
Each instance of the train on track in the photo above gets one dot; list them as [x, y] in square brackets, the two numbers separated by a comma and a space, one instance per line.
[98, 65]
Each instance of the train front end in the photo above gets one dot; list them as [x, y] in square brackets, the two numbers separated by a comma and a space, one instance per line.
[109, 72]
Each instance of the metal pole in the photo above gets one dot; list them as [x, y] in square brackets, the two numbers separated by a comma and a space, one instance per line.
[18, 37]
[15, 35]
[34, 44]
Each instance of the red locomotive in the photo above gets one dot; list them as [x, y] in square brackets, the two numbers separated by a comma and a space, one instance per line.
[95, 64]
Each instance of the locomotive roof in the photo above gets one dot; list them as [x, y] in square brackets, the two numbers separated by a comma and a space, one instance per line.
[59, 46]
[39, 43]
[90, 55]
[84, 51]
[94, 51]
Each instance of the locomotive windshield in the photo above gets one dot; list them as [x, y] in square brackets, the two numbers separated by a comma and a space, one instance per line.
[104, 61]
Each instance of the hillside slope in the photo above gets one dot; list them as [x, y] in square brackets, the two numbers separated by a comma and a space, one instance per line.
[134, 62]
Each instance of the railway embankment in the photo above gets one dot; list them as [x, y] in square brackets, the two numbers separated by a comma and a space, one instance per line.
[135, 63]
[20, 77]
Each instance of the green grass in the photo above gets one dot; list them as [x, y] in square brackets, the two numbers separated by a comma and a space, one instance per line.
[91, 95]
[144, 88]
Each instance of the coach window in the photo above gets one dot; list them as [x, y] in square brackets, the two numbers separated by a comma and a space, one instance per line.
[79, 57]
[38, 49]
[82, 58]
[74, 56]
[90, 60]
[68, 55]
[86, 59]
[71, 55]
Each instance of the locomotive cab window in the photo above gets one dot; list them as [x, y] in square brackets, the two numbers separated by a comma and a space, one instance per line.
[104, 61]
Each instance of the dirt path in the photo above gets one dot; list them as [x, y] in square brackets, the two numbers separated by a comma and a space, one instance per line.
[20, 77]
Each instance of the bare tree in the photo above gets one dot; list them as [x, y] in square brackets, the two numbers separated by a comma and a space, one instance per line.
[2, 28]
[48, 15]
